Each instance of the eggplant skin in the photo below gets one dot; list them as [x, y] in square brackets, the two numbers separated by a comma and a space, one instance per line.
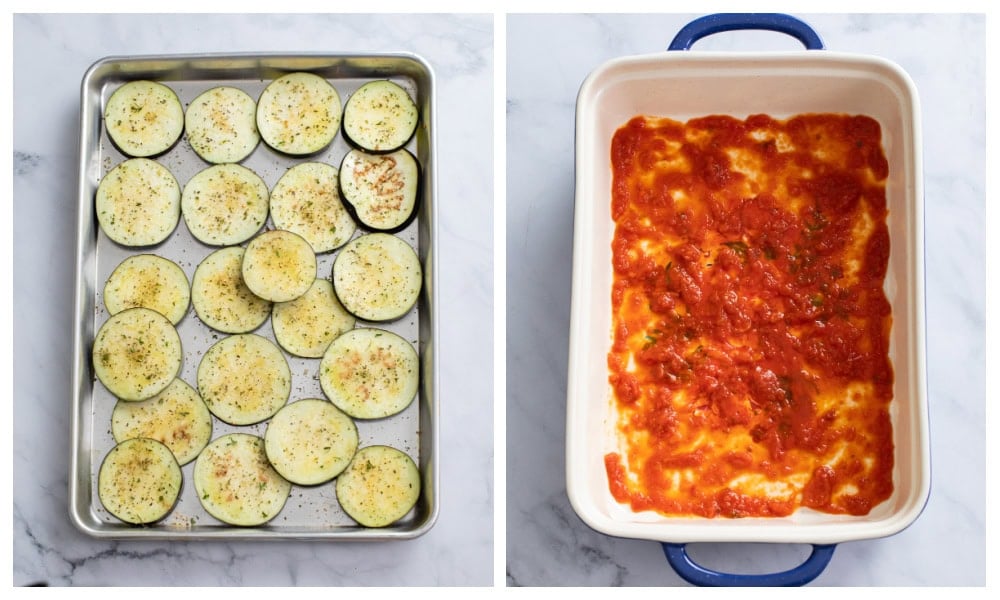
[398, 171]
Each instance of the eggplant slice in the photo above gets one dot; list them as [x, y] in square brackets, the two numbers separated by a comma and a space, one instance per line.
[380, 190]
[380, 117]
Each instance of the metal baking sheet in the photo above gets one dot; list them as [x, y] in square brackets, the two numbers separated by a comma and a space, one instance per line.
[311, 512]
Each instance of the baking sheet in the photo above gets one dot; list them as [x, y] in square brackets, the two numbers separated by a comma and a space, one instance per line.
[311, 512]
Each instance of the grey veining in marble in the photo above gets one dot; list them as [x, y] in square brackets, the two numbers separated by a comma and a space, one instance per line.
[51, 54]
[548, 56]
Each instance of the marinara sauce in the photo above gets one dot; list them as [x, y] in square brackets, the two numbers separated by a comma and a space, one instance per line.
[749, 362]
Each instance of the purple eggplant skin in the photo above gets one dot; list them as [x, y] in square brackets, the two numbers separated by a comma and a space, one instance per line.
[351, 203]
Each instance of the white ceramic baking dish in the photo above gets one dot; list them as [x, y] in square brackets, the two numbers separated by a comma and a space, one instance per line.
[682, 85]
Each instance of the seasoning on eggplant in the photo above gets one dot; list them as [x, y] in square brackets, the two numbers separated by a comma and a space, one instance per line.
[138, 203]
[244, 379]
[221, 298]
[299, 114]
[137, 353]
[279, 266]
[306, 326]
[221, 125]
[377, 277]
[224, 205]
[148, 281]
[379, 487]
[310, 441]
[139, 481]
[370, 373]
[144, 118]
[177, 417]
[306, 200]
[380, 190]
[236, 484]
[380, 117]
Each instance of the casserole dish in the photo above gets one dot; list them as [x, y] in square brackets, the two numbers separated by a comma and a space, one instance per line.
[311, 512]
[683, 85]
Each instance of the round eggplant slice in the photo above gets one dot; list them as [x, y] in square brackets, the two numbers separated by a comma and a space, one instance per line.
[279, 266]
[380, 189]
[137, 353]
[224, 205]
[306, 201]
[377, 277]
[306, 326]
[148, 281]
[298, 114]
[139, 481]
[244, 379]
[138, 203]
[370, 373]
[310, 441]
[379, 487]
[144, 118]
[235, 482]
[221, 298]
[221, 125]
[380, 117]
[176, 417]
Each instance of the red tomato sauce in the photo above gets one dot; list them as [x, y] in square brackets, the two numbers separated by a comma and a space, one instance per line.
[749, 362]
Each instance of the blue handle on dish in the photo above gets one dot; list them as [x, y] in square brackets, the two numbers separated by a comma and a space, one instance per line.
[678, 558]
[709, 24]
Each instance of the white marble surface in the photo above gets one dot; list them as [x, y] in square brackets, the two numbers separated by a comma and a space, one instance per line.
[548, 58]
[51, 54]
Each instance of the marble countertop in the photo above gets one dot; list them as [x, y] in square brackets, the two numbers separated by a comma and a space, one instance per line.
[51, 54]
[548, 58]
